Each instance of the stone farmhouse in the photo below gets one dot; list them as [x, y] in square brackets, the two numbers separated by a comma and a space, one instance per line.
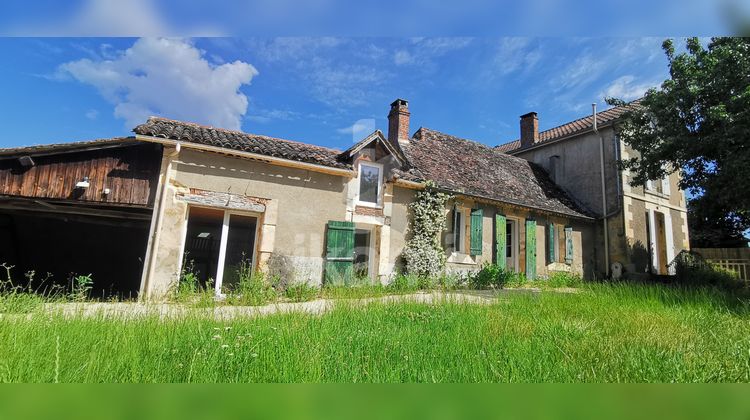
[135, 211]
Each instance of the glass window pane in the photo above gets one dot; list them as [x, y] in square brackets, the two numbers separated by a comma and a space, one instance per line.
[240, 244]
[368, 183]
[202, 243]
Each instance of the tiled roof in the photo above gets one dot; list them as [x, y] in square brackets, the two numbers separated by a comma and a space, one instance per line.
[580, 125]
[465, 166]
[63, 147]
[240, 141]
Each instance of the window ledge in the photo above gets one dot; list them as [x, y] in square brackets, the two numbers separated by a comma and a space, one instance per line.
[656, 193]
[460, 258]
[368, 204]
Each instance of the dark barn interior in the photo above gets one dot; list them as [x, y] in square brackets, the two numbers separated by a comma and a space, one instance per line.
[78, 209]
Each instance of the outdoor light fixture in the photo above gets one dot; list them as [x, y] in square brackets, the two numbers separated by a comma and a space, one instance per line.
[83, 184]
[106, 191]
[204, 235]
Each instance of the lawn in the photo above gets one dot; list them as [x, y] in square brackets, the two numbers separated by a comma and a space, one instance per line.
[605, 333]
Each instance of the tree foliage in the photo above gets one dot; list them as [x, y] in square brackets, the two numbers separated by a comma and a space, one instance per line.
[423, 253]
[698, 123]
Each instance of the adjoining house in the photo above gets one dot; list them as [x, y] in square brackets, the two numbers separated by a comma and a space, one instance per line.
[218, 200]
[646, 227]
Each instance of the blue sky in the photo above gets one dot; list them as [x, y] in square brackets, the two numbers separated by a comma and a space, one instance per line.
[326, 91]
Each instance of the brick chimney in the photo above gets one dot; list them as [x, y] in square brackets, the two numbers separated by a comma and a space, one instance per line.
[529, 129]
[398, 122]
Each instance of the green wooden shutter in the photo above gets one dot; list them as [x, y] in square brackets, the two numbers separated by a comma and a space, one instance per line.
[568, 245]
[500, 233]
[530, 249]
[476, 232]
[551, 240]
[339, 252]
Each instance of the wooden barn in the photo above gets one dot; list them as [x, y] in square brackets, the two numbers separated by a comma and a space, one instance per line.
[77, 209]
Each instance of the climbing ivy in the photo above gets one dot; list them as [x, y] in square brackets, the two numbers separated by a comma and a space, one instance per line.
[423, 253]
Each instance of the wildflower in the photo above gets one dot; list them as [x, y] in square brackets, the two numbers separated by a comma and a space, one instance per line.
[216, 337]
[224, 346]
[227, 328]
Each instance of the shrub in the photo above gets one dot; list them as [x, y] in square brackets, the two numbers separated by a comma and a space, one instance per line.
[81, 287]
[492, 276]
[564, 279]
[301, 292]
[691, 269]
[252, 288]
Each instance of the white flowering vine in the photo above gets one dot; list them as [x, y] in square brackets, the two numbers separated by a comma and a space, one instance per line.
[423, 253]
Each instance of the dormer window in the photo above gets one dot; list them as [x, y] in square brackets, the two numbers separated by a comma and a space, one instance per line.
[370, 181]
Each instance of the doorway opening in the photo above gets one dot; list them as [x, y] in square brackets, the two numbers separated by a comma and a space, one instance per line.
[219, 247]
[363, 253]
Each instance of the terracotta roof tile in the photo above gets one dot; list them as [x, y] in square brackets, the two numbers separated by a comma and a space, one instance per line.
[238, 140]
[580, 125]
[468, 167]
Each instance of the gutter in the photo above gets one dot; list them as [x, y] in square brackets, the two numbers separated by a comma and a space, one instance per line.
[604, 192]
[249, 155]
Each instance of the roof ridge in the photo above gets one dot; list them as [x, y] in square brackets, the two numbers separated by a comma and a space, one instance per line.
[489, 148]
[240, 132]
[572, 122]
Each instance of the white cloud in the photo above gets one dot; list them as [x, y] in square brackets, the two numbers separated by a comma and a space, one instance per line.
[402, 57]
[422, 51]
[359, 129]
[167, 77]
[264, 116]
[626, 88]
[92, 114]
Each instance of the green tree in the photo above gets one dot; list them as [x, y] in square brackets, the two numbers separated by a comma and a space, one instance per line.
[698, 123]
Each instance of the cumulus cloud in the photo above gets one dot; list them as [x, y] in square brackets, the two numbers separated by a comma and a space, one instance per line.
[626, 88]
[167, 77]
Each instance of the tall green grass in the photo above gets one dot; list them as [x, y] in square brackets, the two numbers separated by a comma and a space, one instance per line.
[606, 333]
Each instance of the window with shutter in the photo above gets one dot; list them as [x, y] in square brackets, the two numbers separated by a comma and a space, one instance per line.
[339, 252]
[475, 247]
[500, 240]
[568, 245]
[530, 249]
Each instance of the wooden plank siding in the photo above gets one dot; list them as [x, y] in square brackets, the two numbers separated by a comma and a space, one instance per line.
[130, 171]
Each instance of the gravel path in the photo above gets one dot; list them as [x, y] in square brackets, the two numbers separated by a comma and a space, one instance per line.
[131, 310]
[127, 310]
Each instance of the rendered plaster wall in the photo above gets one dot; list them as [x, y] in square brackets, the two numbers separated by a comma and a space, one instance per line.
[299, 205]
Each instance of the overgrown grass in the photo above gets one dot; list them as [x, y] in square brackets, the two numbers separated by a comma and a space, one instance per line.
[607, 332]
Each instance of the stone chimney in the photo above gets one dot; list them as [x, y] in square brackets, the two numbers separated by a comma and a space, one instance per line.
[398, 122]
[529, 129]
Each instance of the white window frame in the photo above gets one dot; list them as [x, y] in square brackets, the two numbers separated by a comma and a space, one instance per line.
[379, 202]
[458, 246]
[218, 281]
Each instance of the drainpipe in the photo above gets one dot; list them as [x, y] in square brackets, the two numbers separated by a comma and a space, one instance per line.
[156, 233]
[604, 193]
